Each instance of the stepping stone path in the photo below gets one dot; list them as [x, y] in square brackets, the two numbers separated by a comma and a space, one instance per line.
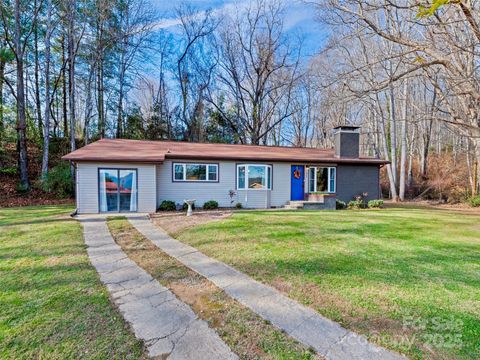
[169, 328]
[328, 338]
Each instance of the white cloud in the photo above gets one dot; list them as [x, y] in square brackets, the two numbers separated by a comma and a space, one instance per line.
[230, 8]
[167, 23]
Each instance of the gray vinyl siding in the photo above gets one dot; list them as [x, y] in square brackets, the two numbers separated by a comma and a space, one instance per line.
[204, 191]
[353, 180]
[87, 185]
[256, 199]
[155, 185]
[281, 184]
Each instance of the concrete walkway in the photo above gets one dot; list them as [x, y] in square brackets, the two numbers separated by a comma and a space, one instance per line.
[169, 328]
[328, 338]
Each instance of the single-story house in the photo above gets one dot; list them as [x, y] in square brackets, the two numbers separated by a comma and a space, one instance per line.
[118, 175]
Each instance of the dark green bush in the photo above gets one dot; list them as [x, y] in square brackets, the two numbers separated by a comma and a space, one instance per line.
[210, 205]
[167, 205]
[59, 180]
[474, 201]
[10, 170]
[238, 205]
[21, 189]
[375, 203]
[340, 204]
[185, 206]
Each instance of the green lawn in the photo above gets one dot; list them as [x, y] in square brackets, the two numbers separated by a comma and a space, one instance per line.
[407, 278]
[52, 304]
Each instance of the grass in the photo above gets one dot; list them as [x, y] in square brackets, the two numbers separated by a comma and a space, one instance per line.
[52, 303]
[407, 278]
[245, 332]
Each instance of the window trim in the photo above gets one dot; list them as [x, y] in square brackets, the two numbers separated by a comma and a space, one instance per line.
[329, 191]
[247, 165]
[185, 163]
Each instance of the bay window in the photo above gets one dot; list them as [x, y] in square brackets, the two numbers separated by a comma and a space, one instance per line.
[254, 176]
[195, 172]
[321, 179]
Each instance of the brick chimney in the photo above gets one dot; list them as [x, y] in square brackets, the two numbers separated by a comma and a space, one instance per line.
[347, 141]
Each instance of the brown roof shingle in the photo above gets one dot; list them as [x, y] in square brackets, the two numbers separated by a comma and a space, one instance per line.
[122, 150]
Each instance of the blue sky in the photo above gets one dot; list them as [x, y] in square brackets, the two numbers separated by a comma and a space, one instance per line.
[299, 18]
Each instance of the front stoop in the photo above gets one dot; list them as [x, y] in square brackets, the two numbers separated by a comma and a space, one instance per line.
[328, 204]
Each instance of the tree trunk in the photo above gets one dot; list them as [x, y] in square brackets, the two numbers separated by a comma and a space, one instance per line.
[393, 139]
[46, 122]
[71, 72]
[21, 115]
[393, 189]
[37, 78]
[403, 150]
[120, 106]
[476, 168]
[411, 155]
[2, 123]
[88, 103]
[64, 93]
[100, 105]
[71, 77]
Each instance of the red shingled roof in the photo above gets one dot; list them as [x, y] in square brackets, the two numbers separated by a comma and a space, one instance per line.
[122, 150]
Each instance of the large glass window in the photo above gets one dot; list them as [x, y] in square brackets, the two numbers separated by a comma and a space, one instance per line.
[117, 190]
[254, 176]
[321, 179]
[195, 172]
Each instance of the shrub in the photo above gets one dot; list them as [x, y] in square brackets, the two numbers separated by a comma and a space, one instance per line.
[474, 201]
[340, 204]
[59, 180]
[185, 206]
[21, 189]
[359, 202]
[375, 203]
[353, 204]
[167, 205]
[210, 205]
[11, 170]
[238, 205]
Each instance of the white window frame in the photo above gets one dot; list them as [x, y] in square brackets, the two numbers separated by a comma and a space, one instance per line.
[267, 168]
[184, 165]
[330, 190]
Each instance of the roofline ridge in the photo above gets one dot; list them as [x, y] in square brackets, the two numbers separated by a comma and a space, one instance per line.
[211, 143]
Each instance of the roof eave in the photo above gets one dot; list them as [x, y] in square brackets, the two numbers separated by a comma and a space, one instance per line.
[289, 160]
[110, 160]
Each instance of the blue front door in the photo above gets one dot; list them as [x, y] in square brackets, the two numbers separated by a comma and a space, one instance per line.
[297, 175]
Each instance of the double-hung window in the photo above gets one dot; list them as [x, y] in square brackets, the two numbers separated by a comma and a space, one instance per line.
[254, 176]
[195, 172]
[321, 179]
